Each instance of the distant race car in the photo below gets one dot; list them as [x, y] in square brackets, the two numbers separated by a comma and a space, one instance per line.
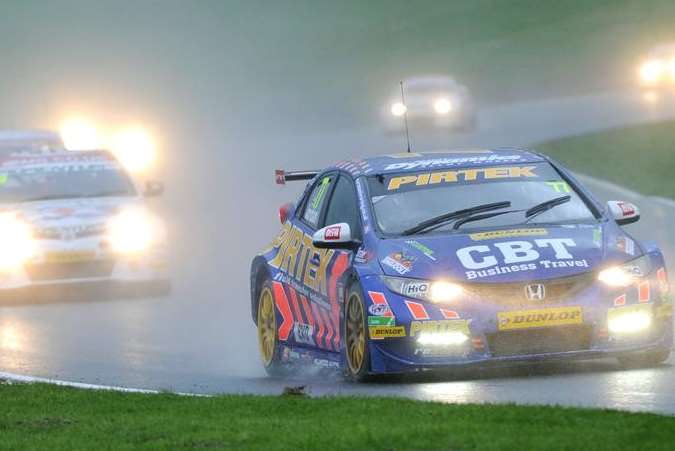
[657, 71]
[74, 218]
[436, 101]
[426, 261]
[29, 141]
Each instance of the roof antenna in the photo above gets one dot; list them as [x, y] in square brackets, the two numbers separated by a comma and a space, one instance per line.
[405, 116]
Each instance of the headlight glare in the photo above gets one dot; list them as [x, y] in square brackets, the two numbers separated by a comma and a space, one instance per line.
[16, 241]
[626, 274]
[651, 71]
[434, 291]
[398, 109]
[132, 231]
[442, 106]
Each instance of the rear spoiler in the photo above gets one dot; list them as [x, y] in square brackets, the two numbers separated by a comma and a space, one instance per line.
[282, 176]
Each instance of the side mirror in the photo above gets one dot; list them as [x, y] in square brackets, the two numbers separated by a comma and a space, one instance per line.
[623, 212]
[284, 212]
[335, 236]
[153, 189]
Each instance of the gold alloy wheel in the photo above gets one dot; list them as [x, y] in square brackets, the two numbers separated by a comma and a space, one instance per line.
[355, 334]
[267, 326]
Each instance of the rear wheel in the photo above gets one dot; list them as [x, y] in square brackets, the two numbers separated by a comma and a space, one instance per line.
[356, 346]
[644, 359]
[267, 331]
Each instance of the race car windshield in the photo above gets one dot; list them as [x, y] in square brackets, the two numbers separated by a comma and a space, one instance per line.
[63, 183]
[403, 201]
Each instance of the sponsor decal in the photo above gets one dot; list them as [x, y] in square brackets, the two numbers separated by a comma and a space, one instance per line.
[302, 333]
[363, 204]
[559, 186]
[378, 309]
[382, 332]
[527, 319]
[449, 314]
[461, 175]
[422, 248]
[379, 299]
[381, 321]
[417, 310]
[332, 233]
[644, 292]
[496, 234]
[435, 326]
[516, 256]
[297, 257]
[70, 256]
[399, 262]
[430, 163]
[325, 363]
[619, 301]
[625, 245]
[626, 208]
[362, 256]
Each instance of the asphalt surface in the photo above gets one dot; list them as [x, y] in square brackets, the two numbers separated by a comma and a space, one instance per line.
[201, 338]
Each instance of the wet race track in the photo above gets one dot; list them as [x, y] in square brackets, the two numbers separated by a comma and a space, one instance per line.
[201, 338]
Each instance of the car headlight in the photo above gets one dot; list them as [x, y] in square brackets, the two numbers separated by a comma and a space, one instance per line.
[626, 274]
[16, 241]
[439, 291]
[133, 231]
[651, 71]
[442, 106]
[398, 109]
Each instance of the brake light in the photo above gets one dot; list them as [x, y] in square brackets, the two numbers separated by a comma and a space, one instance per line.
[283, 212]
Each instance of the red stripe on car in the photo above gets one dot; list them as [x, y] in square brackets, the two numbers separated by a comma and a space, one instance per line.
[417, 310]
[281, 302]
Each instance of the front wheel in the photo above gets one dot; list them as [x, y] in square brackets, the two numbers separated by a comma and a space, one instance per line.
[356, 336]
[644, 359]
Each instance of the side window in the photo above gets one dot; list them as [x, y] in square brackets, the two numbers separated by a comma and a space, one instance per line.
[316, 200]
[343, 207]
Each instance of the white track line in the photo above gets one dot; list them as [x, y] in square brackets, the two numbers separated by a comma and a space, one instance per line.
[43, 380]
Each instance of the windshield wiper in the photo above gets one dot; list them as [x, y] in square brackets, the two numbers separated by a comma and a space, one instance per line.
[545, 206]
[430, 224]
[472, 218]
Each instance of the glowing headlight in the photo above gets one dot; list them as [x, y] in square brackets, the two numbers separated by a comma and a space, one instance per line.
[630, 322]
[16, 241]
[398, 109]
[79, 133]
[133, 231]
[135, 149]
[651, 71]
[626, 274]
[442, 338]
[438, 291]
[442, 106]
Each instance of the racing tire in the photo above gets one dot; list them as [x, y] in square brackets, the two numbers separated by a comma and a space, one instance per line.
[357, 355]
[645, 359]
[268, 337]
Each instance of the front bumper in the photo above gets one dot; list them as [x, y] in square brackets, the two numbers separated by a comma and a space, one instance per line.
[58, 264]
[574, 328]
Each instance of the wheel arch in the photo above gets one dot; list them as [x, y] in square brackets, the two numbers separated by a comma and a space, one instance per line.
[259, 273]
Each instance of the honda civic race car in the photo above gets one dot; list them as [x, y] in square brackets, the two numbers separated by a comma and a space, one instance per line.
[427, 261]
[76, 217]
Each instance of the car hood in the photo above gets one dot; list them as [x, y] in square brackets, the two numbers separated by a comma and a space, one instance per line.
[508, 254]
[65, 214]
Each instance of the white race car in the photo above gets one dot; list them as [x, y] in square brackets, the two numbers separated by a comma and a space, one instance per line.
[29, 141]
[436, 101]
[77, 217]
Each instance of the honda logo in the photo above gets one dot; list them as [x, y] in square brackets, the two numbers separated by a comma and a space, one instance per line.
[535, 292]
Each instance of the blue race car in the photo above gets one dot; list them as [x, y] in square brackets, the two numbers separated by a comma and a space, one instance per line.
[427, 261]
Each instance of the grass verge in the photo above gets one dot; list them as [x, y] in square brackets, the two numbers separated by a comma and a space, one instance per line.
[639, 157]
[37, 416]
